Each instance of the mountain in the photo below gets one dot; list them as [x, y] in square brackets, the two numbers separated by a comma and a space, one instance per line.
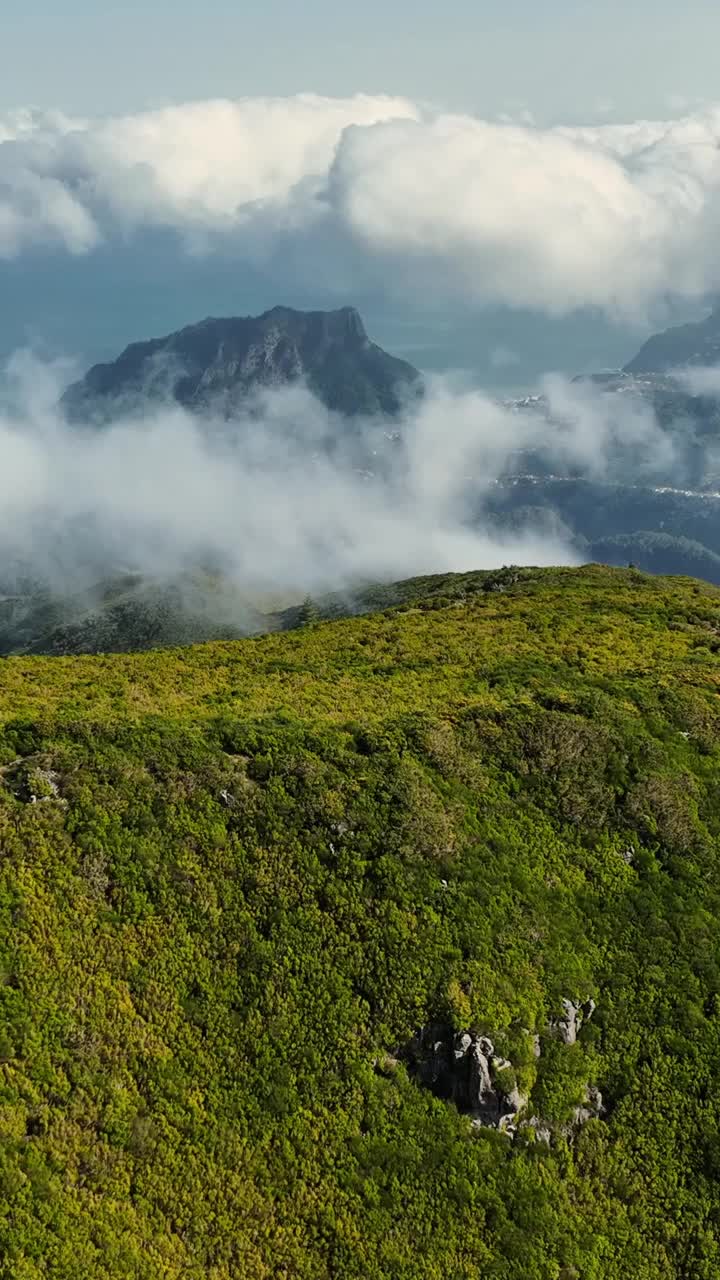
[385, 947]
[669, 524]
[674, 406]
[695, 344]
[660, 528]
[216, 364]
[666, 520]
[658, 553]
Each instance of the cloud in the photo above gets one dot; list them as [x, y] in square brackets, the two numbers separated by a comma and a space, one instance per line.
[379, 188]
[265, 501]
[260, 497]
[700, 380]
[199, 167]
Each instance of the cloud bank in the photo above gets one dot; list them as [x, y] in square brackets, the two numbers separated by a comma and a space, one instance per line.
[260, 497]
[700, 380]
[262, 500]
[371, 188]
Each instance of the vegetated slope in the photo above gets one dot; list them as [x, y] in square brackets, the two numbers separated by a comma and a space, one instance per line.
[238, 879]
[127, 612]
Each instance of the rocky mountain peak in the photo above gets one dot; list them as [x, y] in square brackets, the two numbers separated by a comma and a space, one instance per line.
[216, 364]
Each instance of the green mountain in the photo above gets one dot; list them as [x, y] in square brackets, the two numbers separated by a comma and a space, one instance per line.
[659, 552]
[385, 947]
[216, 364]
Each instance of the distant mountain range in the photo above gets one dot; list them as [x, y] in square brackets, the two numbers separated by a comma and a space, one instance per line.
[215, 365]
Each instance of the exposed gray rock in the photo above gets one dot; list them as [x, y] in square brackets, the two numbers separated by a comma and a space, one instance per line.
[45, 784]
[575, 1013]
[591, 1109]
[33, 781]
[569, 1024]
[465, 1069]
[462, 1045]
[543, 1133]
[219, 363]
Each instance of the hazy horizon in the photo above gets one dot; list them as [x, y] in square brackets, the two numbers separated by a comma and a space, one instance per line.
[566, 62]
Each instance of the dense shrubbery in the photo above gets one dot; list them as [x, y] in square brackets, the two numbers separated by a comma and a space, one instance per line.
[234, 878]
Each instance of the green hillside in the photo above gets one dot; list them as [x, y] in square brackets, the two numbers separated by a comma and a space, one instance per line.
[237, 880]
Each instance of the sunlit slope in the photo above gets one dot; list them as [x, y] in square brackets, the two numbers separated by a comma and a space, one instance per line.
[439, 644]
[236, 881]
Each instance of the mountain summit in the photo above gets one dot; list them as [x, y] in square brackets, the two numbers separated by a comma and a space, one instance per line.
[217, 363]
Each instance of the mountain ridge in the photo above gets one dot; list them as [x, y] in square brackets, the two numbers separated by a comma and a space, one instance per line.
[681, 346]
[217, 363]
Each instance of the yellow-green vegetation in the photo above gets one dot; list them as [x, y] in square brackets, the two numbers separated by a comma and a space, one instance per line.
[235, 880]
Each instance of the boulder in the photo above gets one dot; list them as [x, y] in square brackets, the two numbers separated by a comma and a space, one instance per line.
[464, 1069]
[574, 1014]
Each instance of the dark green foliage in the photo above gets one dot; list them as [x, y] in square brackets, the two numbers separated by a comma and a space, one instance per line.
[659, 553]
[236, 880]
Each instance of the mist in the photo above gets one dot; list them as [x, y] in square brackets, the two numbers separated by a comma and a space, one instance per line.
[287, 499]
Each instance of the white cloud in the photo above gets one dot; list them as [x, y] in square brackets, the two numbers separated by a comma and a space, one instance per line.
[255, 495]
[612, 215]
[700, 380]
[200, 166]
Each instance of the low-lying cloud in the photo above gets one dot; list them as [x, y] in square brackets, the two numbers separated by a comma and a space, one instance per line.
[262, 500]
[374, 187]
[700, 380]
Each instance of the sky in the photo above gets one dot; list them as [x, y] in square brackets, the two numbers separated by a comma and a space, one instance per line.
[508, 188]
[566, 60]
[505, 190]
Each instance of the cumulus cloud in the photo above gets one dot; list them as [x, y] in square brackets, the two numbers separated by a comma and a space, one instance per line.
[202, 166]
[615, 216]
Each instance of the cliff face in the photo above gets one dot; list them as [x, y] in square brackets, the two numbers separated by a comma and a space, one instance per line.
[217, 363]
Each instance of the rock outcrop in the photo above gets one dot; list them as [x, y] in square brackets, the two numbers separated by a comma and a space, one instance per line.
[573, 1016]
[217, 364]
[465, 1069]
[32, 780]
[590, 1109]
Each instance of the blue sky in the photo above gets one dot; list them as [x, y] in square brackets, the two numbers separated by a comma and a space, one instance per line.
[562, 59]
[518, 254]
